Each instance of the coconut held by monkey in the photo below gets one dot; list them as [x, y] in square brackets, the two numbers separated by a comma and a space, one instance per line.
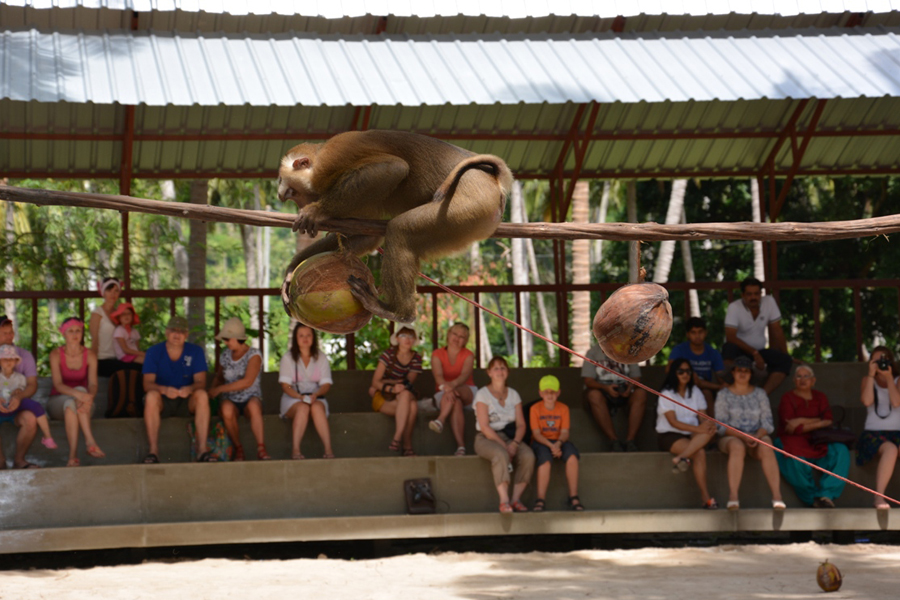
[439, 198]
[634, 323]
[319, 295]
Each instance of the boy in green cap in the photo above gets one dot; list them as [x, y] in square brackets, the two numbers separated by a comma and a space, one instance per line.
[549, 422]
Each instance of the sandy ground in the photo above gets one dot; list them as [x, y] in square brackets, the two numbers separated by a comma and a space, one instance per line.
[763, 572]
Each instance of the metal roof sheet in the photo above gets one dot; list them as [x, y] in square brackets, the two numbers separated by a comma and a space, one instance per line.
[508, 8]
[161, 69]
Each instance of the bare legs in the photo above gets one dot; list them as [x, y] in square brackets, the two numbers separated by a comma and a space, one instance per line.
[887, 459]
[694, 448]
[299, 414]
[738, 450]
[404, 409]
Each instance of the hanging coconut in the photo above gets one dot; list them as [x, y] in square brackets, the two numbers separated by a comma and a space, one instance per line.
[318, 294]
[828, 577]
[634, 323]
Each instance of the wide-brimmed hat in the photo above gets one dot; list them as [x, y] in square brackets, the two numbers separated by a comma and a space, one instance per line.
[396, 342]
[232, 329]
[8, 351]
[177, 323]
[742, 362]
[122, 308]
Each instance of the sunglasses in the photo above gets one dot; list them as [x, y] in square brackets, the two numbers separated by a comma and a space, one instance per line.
[408, 336]
[683, 371]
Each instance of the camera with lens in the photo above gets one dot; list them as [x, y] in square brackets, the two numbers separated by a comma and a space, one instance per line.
[622, 387]
[883, 363]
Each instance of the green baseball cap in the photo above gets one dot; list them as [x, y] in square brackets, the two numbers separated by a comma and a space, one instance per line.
[549, 382]
[177, 323]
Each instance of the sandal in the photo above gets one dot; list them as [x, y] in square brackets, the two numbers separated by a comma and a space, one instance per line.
[882, 505]
[733, 505]
[327, 455]
[261, 453]
[682, 465]
[778, 505]
[409, 452]
[506, 507]
[73, 462]
[519, 507]
[95, 451]
[538, 505]
[395, 445]
[26, 465]
[49, 443]
[461, 451]
[239, 453]
[575, 503]
[297, 457]
[151, 459]
[436, 426]
[208, 457]
[711, 504]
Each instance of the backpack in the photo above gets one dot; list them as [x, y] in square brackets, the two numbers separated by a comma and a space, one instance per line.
[219, 443]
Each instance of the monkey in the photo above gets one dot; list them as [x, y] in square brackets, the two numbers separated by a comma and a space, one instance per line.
[439, 198]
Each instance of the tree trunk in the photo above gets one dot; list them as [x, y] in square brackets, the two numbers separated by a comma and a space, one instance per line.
[689, 275]
[581, 274]
[9, 284]
[602, 210]
[484, 341]
[196, 312]
[673, 216]
[520, 269]
[633, 247]
[759, 265]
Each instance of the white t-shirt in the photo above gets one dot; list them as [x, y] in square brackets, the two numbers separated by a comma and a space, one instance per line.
[131, 338]
[106, 346]
[695, 400]
[882, 406]
[749, 330]
[499, 415]
[602, 375]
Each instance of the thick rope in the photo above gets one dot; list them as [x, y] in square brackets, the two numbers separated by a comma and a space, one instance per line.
[652, 391]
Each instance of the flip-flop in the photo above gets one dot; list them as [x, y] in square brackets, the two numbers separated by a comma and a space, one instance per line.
[208, 457]
[27, 465]
[151, 459]
[297, 457]
[682, 465]
[73, 462]
[95, 451]
[409, 452]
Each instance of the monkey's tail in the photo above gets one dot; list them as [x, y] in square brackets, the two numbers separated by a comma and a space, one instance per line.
[490, 164]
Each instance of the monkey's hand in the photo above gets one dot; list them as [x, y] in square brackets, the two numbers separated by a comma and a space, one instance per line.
[308, 219]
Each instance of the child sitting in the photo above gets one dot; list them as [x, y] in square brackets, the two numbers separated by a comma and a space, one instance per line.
[549, 422]
[11, 382]
[125, 336]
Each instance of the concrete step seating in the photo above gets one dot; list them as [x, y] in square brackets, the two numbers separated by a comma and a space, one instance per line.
[119, 503]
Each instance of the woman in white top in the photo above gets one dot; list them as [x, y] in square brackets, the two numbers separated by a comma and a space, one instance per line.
[880, 394]
[500, 423]
[102, 327]
[681, 431]
[305, 377]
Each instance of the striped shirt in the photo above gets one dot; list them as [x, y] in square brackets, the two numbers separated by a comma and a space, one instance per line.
[395, 369]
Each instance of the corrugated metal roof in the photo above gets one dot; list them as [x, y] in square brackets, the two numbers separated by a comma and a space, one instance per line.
[183, 70]
[491, 8]
[461, 18]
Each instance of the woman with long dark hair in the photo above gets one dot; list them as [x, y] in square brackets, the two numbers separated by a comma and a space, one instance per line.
[682, 432]
[305, 378]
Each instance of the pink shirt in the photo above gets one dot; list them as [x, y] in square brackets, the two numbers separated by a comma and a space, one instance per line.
[71, 377]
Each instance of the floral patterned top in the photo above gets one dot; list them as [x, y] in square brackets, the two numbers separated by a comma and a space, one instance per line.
[748, 413]
[233, 370]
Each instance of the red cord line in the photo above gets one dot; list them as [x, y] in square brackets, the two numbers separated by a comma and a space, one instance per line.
[644, 387]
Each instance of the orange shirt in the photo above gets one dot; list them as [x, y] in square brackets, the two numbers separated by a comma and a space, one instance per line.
[549, 423]
[452, 371]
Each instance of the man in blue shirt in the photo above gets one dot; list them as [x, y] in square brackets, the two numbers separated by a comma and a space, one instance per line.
[705, 360]
[175, 382]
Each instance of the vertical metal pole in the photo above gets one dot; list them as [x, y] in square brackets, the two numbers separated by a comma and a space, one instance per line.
[857, 309]
[217, 319]
[477, 327]
[519, 353]
[350, 340]
[817, 324]
[34, 327]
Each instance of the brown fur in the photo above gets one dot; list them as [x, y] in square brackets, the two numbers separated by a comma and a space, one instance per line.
[440, 198]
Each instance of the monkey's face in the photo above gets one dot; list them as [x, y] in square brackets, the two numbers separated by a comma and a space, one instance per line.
[295, 176]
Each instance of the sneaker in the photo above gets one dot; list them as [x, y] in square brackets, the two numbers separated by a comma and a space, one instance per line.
[49, 444]
[711, 504]
[617, 446]
[436, 426]
[630, 446]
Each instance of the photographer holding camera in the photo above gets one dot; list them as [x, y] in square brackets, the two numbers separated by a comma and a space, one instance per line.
[603, 390]
[881, 397]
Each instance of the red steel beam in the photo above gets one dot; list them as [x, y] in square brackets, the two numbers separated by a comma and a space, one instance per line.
[797, 156]
[789, 126]
[580, 147]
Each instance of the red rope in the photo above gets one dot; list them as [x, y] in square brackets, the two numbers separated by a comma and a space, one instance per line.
[652, 391]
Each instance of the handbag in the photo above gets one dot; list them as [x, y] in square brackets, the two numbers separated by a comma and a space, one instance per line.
[419, 496]
[834, 434]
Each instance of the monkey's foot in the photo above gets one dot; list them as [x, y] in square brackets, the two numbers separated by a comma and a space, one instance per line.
[367, 296]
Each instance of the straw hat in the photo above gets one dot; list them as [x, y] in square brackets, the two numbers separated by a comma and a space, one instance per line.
[232, 329]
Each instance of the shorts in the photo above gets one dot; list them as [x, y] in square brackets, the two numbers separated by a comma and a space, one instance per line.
[58, 404]
[870, 441]
[542, 453]
[611, 402]
[667, 439]
[380, 398]
[173, 407]
[471, 406]
[25, 404]
[723, 441]
[240, 406]
[288, 401]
